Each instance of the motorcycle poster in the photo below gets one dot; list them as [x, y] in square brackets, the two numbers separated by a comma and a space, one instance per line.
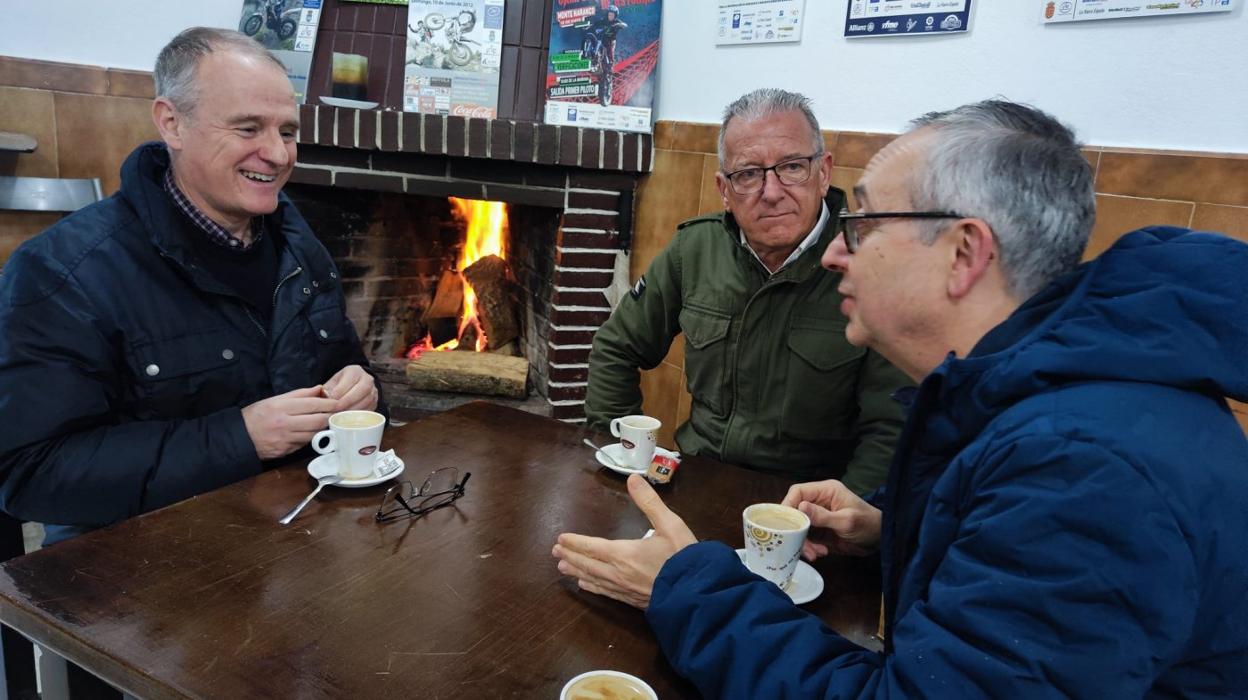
[603, 60]
[288, 29]
[454, 50]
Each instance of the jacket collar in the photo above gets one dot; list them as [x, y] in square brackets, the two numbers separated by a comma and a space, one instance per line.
[142, 177]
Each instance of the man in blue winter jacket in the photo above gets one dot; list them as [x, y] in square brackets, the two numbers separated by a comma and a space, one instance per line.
[1067, 511]
[174, 337]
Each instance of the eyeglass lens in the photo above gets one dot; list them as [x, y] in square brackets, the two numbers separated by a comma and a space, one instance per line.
[790, 172]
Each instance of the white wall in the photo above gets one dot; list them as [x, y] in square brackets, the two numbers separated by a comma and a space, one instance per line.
[111, 33]
[1177, 82]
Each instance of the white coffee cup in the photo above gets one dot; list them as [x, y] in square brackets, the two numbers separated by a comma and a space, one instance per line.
[355, 436]
[774, 535]
[607, 684]
[638, 436]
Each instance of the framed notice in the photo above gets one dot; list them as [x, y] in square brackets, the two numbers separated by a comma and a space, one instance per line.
[759, 21]
[603, 57]
[288, 29]
[454, 50]
[872, 18]
[1078, 10]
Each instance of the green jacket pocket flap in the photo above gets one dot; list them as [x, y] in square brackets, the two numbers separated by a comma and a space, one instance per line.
[821, 343]
[703, 328]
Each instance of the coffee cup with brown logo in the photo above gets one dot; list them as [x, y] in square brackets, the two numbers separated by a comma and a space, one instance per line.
[355, 436]
[638, 435]
[774, 535]
[607, 685]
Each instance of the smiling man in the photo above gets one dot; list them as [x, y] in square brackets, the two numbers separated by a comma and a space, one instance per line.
[775, 387]
[176, 336]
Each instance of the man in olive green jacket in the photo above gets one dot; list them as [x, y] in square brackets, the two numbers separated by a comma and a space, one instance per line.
[775, 385]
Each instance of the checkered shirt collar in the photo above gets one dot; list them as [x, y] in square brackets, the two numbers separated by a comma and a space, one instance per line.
[216, 232]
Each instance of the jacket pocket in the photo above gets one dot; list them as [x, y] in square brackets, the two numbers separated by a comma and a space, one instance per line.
[706, 355]
[188, 375]
[820, 394]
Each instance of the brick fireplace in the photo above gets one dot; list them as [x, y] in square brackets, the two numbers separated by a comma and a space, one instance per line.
[570, 194]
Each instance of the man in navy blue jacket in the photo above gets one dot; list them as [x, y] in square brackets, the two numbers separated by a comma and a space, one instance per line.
[1067, 511]
[174, 337]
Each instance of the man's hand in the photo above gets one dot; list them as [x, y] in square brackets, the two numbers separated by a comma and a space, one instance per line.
[353, 388]
[626, 569]
[282, 424]
[848, 524]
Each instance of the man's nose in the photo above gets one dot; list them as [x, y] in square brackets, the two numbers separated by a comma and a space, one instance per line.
[836, 257]
[275, 149]
[773, 189]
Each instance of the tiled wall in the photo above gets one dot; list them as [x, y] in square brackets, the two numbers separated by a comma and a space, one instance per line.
[1133, 188]
[85, 119]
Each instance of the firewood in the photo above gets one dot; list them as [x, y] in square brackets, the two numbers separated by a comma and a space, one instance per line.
[483, 373]
[448, 298]
[488, 277]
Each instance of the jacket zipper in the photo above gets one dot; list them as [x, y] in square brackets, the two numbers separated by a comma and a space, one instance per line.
[285, 279]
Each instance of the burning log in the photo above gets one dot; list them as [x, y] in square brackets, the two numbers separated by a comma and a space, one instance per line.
[488, 277]
[448, 299]
[484, 373]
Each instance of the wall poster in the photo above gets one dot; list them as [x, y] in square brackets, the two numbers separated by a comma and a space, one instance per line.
[288, 29]
[759, 21]
[871, 18]
[603, 57]
[1078, 10]
[454, 49]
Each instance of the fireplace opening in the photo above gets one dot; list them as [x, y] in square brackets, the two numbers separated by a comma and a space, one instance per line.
[428, 280]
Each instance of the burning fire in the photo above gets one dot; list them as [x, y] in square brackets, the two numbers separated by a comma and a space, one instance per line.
[487, 228]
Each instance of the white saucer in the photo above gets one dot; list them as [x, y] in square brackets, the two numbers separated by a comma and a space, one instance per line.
[616, 451]
[328, 464]
[806, 584]
[343, 102]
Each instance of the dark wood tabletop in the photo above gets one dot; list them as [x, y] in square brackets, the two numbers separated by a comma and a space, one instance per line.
[213, 598]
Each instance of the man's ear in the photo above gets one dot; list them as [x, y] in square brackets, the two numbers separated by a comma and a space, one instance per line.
[824, 163]
[721, 184]
[974, 255]
[169, 122]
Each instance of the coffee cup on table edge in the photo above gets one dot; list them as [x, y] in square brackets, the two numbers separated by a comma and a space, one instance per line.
[638, 436]
[604, 685]
[774, 535]
[355, 436]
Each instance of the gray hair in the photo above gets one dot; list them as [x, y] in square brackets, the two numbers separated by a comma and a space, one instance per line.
[178, 61]
[1021, 171]
[765, 102]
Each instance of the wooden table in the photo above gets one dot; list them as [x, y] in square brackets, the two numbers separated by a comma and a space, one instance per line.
[212, 598]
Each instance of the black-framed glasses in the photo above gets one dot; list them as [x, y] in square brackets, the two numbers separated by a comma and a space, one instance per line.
[441, 488]
[855, 225]
[793, 171]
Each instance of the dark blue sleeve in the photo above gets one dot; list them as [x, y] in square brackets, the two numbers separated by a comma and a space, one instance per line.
[1050, 589]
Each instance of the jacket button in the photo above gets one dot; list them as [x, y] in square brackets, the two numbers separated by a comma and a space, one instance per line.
[324, 333]
[333, 275]
[307, 291]
[227, 354]
[152, 370]
[315, 283]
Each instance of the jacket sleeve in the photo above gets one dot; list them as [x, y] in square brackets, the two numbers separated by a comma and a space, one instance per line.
[637, 336]
[1069, 577]
[64, 457]
[878, 425]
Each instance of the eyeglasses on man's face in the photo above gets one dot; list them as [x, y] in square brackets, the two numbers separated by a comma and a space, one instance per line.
[793, 171]
[441, 488]
[855, 225]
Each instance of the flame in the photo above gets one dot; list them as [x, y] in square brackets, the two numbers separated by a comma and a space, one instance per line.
[486, 232]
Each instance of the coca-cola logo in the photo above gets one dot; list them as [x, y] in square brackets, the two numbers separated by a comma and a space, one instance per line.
[472, 111]
[368, 450]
